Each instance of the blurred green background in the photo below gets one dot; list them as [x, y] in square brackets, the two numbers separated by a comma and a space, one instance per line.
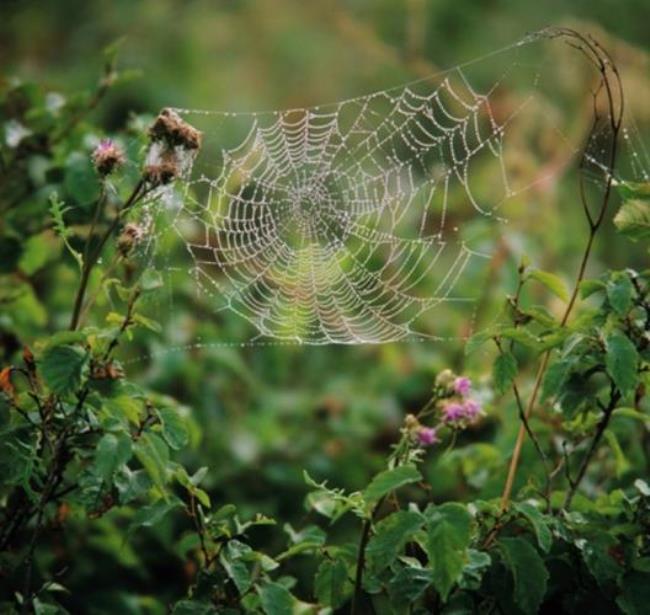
[263, 414]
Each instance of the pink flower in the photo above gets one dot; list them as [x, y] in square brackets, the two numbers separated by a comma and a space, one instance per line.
[107, 156]
[472, 409]
[462, 385]
[427, 436]
[453, 412]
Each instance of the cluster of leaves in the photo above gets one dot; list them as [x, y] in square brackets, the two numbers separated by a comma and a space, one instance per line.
[81, 446]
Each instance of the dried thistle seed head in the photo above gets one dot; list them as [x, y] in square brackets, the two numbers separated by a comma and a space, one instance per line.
[130, 236]
[175, 131]
[107, 156]
[161, 174]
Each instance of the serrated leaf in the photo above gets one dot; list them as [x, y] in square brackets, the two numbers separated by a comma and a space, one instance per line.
[62, 368]
[276, 599]
[555, 377]
[408, 585]
[153, 454]
[448, 535]
[391, 534]
[504, 371]
[232, 559]
[633, 219]
[152, 514]
[590, 287]
[331, 583]
[621, 360]
[389, 480]
[528, 571]
[551, 281]
[538, 522]
[477, 340]
[173, 428]
[619, 292]
[113, 450]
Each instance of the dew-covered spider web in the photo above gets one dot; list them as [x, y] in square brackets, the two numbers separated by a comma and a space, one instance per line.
[357, 222]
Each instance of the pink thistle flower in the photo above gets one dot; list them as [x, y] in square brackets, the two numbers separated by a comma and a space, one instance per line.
[472, 409]
[453, 412]
[107, 156]
[462, 386]
[427, 436]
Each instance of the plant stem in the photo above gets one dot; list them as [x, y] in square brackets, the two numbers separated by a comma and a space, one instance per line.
[361, 557]
[601, 59]
[91, 260]
[602, 426]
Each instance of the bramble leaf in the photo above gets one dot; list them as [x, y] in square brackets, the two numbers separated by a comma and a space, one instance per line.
[551, 281]
[633, 219]
[448, 537]
[389, 480]
[504, 371]
[113, 450]
[619, 292]
[391, 534]
[621, 360]
[330, 584]
[62, 368]
[528, 571]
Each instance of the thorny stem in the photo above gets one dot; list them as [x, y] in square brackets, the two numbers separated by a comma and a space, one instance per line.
[608, 71]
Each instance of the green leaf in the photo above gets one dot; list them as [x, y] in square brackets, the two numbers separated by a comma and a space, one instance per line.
[37, 251]
[539, 523]
[194, 607]
[528, 571]
[408, 585]
[276, 599]
[590, 287]
[633, 219]
[62, 368]
[477, 340]
[81, 181]
[504, 371]
[597, 552]
[621, 360]
[477, 564]
[236, 567]
[391, 534]
[555, 377]
[621, 463]
[619, 292]
[552, 282]
[389, 480]
[173, 428]
[631, 190]
[635, 593]
[113, 450]
[153, 454]
[448, 537]
[152, 514]
[331, 583]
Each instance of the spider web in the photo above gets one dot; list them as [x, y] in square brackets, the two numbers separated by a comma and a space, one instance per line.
[339, 224]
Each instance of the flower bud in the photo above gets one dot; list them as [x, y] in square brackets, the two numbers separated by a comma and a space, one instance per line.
[445, 378]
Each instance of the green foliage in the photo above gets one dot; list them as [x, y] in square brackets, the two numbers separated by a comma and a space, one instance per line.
[101, 469]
